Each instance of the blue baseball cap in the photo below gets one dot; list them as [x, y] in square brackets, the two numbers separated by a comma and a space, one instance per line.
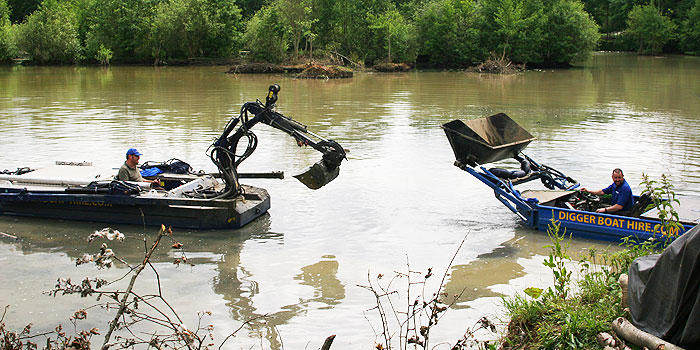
[133, 151]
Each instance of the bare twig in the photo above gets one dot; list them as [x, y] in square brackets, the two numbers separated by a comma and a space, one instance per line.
[247, 322]
[122, 306]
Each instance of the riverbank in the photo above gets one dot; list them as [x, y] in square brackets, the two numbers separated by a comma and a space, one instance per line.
[582, 303]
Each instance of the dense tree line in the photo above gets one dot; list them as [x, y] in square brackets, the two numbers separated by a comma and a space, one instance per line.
[649, 26]
[444, 33]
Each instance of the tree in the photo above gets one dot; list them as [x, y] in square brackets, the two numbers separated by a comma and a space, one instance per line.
[123, 26]
[392, 26]
[265, 35]
[6, 39]
[610, 14]
[194, 28]
[325, 16]
[571, 33]
[227, 30]
[448, 32]
[297, 16]
[514, 28]
[690, 31]
[649, 28]
[50, 34]
[352, 28]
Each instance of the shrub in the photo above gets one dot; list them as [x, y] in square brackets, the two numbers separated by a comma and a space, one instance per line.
[513, 28]
[448, 32]
[6, 37]
[264, 35]
[121, 25]
[690, 31]
[50, 34]
[398, 35]
[103, 55]
[647, 27]
[571, 34]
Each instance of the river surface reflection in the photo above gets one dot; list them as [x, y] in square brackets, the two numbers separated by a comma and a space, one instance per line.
[398, 201]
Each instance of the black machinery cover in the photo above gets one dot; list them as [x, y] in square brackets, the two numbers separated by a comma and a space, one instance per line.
[664, 298]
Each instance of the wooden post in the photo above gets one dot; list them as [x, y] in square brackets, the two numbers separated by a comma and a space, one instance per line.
[636, 336]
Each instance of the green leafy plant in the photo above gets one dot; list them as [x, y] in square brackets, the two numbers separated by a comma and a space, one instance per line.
[557, 259]
[103, 55]
[663, 198]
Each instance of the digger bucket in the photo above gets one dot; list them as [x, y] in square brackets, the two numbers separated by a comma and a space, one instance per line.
[486, 140]
[317, 175]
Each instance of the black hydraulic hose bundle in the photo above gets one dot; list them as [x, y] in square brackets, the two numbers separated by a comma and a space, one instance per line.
[223, 151]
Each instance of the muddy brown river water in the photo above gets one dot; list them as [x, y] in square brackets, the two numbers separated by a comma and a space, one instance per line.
[398, 201]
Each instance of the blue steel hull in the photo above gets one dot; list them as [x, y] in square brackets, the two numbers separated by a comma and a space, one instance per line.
[598, 226]
[583, 224]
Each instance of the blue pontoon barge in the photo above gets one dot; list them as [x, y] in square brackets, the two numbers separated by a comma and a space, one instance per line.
[544, 194]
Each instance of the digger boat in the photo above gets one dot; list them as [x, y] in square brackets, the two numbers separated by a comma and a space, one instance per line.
[80, 191]
[539, 194]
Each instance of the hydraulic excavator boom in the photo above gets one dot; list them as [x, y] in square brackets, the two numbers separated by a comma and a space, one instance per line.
[223, 150]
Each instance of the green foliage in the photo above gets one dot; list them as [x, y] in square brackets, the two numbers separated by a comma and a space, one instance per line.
[352, 29]
[227, 29]
[542, 32]
[50, 35]
[121, 25]
[557, 259]
[690, 31]
[610, 15]
[571, 34]
[296, 15]
[514, 28]
[325, 16]
[556, 320]
[392, 26]
[448, 32]
[647, 27]
[620, 262]
[533, 292]
[265, 35]
[6, 33]
[194, 28]
[663, 199]
[103, 55]
[4, 13]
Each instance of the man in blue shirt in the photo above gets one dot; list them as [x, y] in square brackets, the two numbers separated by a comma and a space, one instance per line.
[622, 199]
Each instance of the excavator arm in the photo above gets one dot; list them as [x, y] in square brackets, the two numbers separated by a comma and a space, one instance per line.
[223, 150]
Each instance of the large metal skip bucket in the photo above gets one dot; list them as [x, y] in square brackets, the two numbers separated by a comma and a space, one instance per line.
[486, 140]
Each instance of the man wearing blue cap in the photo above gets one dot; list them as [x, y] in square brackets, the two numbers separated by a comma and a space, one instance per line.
[129, 170]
